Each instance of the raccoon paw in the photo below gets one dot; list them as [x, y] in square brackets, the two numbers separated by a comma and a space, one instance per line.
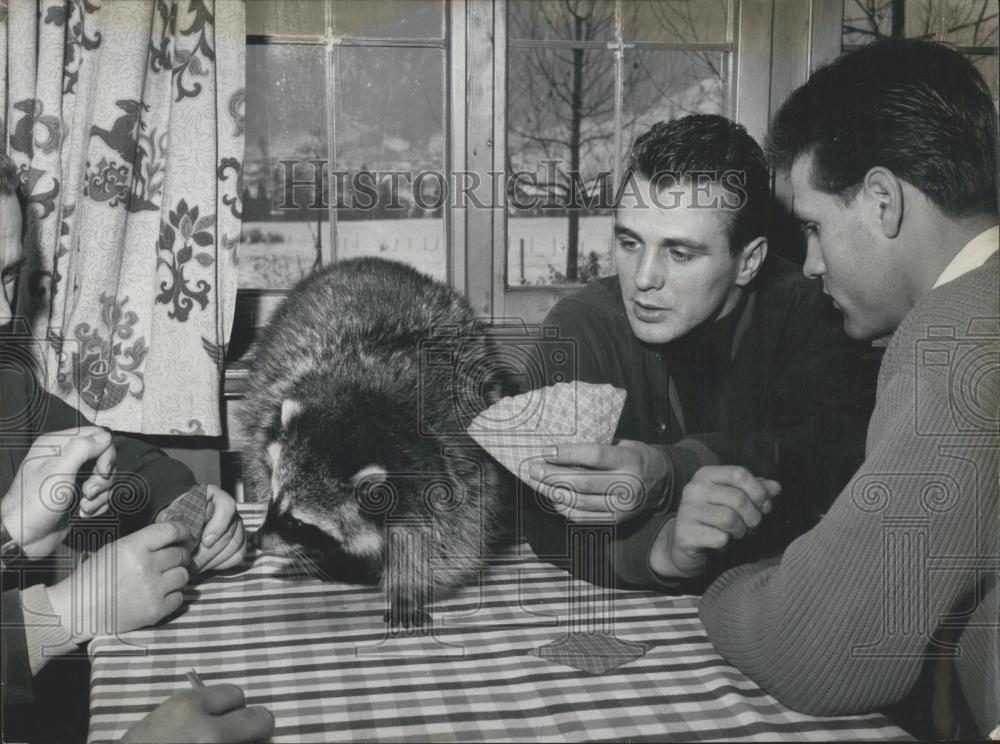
[407, 615]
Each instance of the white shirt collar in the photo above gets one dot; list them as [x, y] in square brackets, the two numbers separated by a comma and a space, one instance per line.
[972, 256]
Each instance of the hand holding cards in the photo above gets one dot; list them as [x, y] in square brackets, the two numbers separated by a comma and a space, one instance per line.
[190, 509]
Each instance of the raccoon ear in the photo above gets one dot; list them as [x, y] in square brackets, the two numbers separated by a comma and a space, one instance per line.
[370, 474]
[289, 410]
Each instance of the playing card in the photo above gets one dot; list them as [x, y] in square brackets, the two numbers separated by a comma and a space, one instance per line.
[521, 429]
[191, 510]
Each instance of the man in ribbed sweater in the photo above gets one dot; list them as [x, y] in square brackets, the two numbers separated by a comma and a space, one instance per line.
[891, 601]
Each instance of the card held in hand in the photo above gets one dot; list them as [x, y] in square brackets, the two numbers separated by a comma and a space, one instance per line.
[191, 510]
[518, 430]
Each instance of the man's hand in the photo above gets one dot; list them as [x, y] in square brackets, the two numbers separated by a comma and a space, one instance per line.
[721, 503]
[139, 577]
[207, 714]
[35, 509]
[223, 541]
[96, 490]
[604, 481]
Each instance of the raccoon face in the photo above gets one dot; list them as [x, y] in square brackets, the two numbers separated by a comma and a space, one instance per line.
[312, 503]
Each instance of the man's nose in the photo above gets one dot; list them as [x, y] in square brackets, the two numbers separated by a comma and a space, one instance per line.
[648, 273]
[813, 266]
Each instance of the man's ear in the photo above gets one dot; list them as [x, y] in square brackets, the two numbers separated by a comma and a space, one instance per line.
[751, 259]
[884, 191]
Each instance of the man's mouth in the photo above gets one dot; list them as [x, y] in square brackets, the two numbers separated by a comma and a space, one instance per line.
[647, 312]
[829, 294]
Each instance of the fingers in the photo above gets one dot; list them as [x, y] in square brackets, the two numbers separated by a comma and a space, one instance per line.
[233, 554]
[60, 438]
[105, 462]
[587, 455]
[93, 506]
[724, 520]
[736, 477]
[247, 725]
[79, 449]
[224, 507]
[160, 535]
[171, 603]
[219, 699]
[174, 579]
[737, 503]
[170, 557]
[222, 548]
[699, 537]
[581, 481]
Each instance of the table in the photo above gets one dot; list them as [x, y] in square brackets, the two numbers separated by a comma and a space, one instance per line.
[319, 656]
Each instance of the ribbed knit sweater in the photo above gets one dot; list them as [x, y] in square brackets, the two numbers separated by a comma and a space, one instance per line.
[858, 613]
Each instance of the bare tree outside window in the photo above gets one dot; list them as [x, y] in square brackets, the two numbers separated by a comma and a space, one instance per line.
[584, 78]
[969, 25]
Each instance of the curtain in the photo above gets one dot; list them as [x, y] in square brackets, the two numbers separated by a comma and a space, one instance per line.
[125, 120]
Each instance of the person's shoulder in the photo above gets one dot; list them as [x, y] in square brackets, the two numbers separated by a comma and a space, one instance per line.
[786, 295]
[781, 281]
[968, 306]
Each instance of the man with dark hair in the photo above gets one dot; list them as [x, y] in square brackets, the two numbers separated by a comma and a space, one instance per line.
[891, 601]
[727, 356]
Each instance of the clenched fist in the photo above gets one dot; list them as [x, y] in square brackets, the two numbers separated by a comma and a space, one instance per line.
[721, 503]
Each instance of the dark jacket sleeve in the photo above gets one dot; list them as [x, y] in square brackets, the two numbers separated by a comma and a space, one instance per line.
[818, 394]
[589, 336]
[16, 680]
[795, 410]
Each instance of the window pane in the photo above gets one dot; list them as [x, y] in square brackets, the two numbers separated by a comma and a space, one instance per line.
[568, 20]
[380, 19]
[961, 22]
[965, 23]
[561, 139]
[285, 120]
[389, 106]
[970, 22]
[662, 85]
[677, 21]
[987, 65]
[298, 17]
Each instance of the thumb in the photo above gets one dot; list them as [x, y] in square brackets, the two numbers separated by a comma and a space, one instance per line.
[219, 699]
[83, 448]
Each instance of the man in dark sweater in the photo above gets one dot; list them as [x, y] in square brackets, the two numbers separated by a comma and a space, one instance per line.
[727, 356]
[892, 600]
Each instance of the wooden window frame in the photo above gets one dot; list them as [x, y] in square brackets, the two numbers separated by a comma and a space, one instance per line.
[760, 77]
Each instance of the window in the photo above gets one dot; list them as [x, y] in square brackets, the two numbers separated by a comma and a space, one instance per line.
[345, 108]
[584, 78]
[367, 121]
[969, 25]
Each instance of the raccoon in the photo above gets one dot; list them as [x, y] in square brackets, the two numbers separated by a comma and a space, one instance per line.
[360, 392]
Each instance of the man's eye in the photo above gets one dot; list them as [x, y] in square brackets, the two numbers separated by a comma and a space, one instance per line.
[679, 256]
[627, 244]
[809, 229]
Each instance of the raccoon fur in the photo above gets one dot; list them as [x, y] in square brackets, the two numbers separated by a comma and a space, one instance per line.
[360, 393]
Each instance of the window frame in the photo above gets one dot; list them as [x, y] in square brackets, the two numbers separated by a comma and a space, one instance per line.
[475, 46]
[747, 101]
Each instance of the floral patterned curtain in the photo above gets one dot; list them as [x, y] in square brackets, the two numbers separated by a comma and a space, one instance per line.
[126, 122]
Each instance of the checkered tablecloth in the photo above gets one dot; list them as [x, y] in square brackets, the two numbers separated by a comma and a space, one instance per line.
[318, 655]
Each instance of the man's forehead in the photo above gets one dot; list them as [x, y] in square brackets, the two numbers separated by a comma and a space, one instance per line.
[804, 194]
